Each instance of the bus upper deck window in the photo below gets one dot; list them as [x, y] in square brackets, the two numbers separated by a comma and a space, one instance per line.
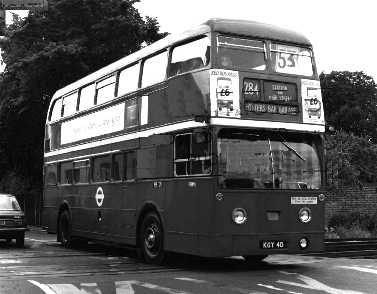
[241, 53]
[154, 69]
[190, 56]
[56, 111]
[69, 104]
[105, 90]
[128, 79]
[291, 59]
[87, 97]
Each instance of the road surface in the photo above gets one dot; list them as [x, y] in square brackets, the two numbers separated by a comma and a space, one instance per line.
[43, 266]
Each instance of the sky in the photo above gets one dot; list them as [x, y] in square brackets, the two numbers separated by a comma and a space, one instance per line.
[9, 15]
[343, 33]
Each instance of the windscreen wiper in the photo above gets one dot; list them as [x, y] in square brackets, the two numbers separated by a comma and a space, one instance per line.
[286, 144]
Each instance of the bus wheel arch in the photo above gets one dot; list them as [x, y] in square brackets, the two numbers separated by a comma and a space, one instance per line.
[150, 235]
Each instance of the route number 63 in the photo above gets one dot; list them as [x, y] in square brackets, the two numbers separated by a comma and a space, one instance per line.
[287, 60]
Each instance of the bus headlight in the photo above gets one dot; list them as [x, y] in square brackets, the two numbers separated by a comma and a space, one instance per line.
[305, 215]
[239, 216]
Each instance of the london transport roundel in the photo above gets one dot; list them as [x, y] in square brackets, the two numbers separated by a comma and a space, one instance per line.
[100, 196]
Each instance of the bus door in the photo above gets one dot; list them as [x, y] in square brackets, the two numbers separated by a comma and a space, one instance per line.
[101, 197]
[192, 166]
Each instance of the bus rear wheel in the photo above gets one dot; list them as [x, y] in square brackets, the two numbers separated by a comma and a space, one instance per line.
[151, 239]
[64, 229]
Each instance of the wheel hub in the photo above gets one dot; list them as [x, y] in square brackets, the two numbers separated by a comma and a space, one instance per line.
[150, 239]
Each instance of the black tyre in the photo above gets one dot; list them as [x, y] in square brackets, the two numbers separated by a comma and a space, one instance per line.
[64, 229]
[254, 259]
[151, 239]
[20, 239]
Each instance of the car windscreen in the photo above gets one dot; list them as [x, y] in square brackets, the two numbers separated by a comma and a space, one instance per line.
[9, 203]
[268, 160]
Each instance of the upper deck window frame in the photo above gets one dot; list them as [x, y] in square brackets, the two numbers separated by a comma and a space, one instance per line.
[225, 61]
[55, 114]
[146, 60]
[90, 92]
[136, 78]
[103, 83]
[190, 64]
[68, 100]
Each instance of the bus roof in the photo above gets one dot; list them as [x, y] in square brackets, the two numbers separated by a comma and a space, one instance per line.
[256, 29]
[230, 26]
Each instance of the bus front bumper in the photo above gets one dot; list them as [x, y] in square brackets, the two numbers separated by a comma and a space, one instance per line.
[245, 245]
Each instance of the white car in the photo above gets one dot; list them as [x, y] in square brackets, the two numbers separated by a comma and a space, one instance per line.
[12, 220]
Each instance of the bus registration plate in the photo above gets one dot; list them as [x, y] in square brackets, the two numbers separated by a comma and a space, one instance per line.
[273, 244]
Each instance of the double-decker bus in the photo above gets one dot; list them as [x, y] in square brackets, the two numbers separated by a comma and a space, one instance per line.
[208, 143]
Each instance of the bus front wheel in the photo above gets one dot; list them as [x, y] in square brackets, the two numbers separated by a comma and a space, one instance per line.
[64, 229]
[151, 239]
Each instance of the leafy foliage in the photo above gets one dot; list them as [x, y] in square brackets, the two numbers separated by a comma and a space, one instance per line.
[350, 159]
[44, 53]
[350, 102]
[353, 225]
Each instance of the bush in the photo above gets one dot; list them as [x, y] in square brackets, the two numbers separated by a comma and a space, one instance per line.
[354, 232]
[352, 225]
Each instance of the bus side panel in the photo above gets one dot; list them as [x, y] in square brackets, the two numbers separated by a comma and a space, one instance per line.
[112, 219]
[187, 213]
[50, 208]
[88, 220]
[188, 95]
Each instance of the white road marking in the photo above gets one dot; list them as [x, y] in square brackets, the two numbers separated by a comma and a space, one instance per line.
[46, 289]
[360, 269]
[122, 287]
[41, 241]
[228, 288]
[191, 280]
[270, 287]
[163, 289]
[90, 288]
[313, 284]
[283, 259]
[278, 289]
[9, 261]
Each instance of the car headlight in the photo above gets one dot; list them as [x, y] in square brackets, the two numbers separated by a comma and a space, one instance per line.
[305, 215]
[239, 216]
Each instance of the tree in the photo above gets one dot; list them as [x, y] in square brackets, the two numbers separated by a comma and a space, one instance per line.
[351, 159]
[45, 52]
[350, 102]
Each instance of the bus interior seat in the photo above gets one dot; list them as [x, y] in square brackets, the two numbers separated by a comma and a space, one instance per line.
[193, 63]
[185, 66]
[175, 68]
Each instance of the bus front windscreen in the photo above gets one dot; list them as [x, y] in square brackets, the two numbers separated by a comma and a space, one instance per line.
[244, 54]
[268, 160]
